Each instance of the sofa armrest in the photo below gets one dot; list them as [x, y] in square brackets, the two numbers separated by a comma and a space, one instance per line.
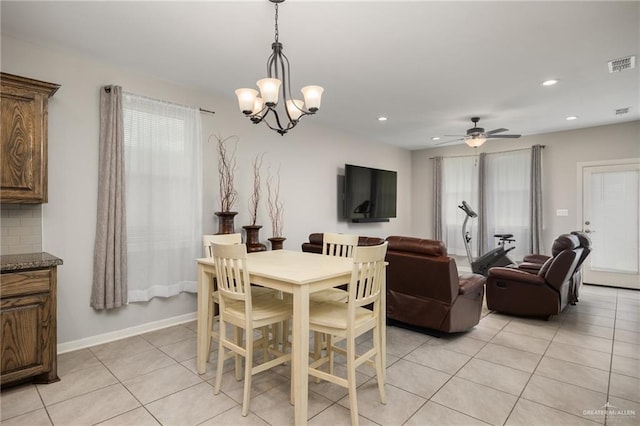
[535, 258]
[511, 274]
[470, 283]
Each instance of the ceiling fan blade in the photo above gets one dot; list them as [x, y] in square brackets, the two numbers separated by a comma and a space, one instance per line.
[500, 130]
[504, 136]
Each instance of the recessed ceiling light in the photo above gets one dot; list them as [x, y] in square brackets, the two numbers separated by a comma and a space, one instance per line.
[571, 117]
[435, 138]
[549, 82]
[382, 118]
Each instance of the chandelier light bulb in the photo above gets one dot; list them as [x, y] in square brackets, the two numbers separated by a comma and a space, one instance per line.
[246, 100]
[269, 89]
[312, 97]
[475, 141]
[294, 108]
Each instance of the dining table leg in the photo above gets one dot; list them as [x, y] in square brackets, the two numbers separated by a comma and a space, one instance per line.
[300, 348]
[203, 337]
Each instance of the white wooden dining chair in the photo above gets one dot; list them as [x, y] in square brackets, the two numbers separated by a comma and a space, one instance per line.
[340, 245]
[349, 320]
[241, 309]
[207, 242]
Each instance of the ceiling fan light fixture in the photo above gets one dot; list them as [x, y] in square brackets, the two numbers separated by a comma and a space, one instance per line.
[475, 141]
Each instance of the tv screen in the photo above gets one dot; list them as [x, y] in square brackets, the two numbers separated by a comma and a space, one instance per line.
[370, 194]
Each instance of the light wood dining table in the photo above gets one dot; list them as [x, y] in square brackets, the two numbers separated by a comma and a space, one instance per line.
[297, 273]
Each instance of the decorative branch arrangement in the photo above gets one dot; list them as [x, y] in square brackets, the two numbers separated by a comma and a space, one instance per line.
[276, 206]
[226, 172]
[256, 195]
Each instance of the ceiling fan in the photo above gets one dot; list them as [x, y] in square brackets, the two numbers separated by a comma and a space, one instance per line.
[476, 136]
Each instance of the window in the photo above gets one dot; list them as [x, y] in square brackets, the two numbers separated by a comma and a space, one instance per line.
[163, 169]
[460, 182]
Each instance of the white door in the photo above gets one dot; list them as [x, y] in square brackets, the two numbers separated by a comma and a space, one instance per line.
[610, 207]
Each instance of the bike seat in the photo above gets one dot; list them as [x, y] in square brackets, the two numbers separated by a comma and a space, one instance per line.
[503, 236]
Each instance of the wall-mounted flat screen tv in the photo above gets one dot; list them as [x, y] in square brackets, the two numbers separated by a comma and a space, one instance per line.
[369, 194]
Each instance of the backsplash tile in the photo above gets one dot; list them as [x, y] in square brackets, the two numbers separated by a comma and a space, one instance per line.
[20, 228]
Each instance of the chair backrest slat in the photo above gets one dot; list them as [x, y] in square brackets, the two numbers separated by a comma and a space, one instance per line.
[340, 245]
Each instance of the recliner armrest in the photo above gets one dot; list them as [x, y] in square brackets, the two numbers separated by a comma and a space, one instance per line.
[511, 274]
[470, 283]
[535, 258]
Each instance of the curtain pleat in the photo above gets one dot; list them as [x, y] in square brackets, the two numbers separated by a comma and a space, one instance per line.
[437, 198]
[109, 289]
[535, 244]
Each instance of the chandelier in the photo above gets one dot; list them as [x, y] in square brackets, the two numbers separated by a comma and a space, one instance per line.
[277, 87]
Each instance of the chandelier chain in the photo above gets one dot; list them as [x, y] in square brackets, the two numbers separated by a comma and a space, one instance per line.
[276, 22]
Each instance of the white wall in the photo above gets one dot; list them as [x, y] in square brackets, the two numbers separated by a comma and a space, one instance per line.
[311, 158]
[563, 151]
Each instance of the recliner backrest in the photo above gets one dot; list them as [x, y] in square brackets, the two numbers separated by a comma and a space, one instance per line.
[421, 267]
[559, 269]
[585, 244]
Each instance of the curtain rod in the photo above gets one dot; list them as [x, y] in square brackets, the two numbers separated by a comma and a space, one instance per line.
[206, 111]
[478, 154]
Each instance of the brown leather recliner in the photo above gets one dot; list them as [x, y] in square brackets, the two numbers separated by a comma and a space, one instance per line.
[533, 262]
[517, 292]
[424, 289]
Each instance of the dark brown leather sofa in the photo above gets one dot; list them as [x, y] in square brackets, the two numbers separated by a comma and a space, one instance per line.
[545, 293]
[314, 245]
[424, 289]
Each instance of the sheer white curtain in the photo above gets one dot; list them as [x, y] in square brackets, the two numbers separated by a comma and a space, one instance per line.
[507, 183]
[459, 182]
[163, 166]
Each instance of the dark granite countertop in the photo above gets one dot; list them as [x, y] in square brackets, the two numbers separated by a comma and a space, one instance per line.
[16, 262]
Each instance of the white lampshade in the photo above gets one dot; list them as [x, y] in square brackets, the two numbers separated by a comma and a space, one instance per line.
[475, 141]
[312, 97]
[258, 105]
[269, 89]
[295, 111]
[246, 99]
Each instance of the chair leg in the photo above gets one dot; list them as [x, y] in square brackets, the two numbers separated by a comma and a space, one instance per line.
[221, 337]
[380, 374]
[330, 353]
[317, 350]
[210, 327]
[351, 379]
[248, 364]
[237, 331]
[265, 342]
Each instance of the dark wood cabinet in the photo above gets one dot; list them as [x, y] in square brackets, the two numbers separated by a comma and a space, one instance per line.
[28, 340]
[23, 138]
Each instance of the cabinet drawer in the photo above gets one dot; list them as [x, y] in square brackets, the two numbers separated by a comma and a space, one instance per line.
[25, 282]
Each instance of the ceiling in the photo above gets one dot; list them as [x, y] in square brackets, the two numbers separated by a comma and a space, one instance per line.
[427, 66]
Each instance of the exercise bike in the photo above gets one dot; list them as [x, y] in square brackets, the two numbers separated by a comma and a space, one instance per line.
[496, 257]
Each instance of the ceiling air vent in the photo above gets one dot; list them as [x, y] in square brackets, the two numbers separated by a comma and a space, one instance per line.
[622, 64]
[621, 111]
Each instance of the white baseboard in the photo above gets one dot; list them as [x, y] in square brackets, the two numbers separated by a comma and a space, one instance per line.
[126, 332]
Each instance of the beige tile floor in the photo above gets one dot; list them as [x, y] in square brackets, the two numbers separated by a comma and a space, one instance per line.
[506, 371]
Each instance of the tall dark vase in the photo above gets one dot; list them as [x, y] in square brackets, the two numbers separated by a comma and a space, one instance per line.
[253, 238]
[225, 222]
[276, 242]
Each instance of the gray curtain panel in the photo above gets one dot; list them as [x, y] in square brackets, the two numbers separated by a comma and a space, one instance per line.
[483, 247]
[536, 199]
[110, 254]
[437, 198]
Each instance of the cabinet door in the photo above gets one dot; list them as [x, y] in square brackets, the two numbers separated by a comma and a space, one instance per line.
[22, 145]
[22, 319]
[23, 138]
